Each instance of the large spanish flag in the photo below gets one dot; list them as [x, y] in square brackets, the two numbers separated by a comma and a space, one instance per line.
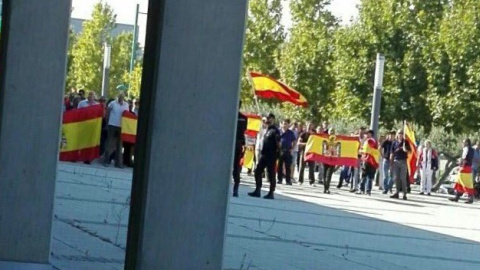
[268, 87]
[464, 183]
[413, 155]
[254, 123]
[371, 152]
[129, 127]
[334, 150]
[81, 130]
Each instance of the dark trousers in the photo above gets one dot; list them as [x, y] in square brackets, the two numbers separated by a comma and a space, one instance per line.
[311, 169]
[266, 162]
[237, 167]
[114, 144]
[128, 150]
[327, 175]
[285, 159]
[368, 175]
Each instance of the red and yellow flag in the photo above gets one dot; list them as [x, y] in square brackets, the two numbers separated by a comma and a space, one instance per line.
[254, 123]
[248, 157]
[413, 155]
[464, 183]
[371, 152]
[336, 150]
[129, 127]
[267, 87]
[81, 130]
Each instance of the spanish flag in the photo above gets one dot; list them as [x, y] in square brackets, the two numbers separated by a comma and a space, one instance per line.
[81, 130]
[413, 155]
[336, 150]
[267, 87]
[254, 123]
[129, 127]
[371, 152]
[464, 183]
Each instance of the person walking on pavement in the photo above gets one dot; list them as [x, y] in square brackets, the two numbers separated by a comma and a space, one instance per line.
[428, 164]
[328, 169]
[287, 141]
[370, 165]
[302, 143]
[398, 161]
[239, 146]
[114, 138]
[387, 171]
[465, 165]
[268, 159]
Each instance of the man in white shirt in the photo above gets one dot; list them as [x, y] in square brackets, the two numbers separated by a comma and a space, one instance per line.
[114, 141]
[90, 101]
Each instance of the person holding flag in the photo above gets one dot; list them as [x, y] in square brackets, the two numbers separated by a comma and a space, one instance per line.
[370, 161]
[398, 161]
[464, 183]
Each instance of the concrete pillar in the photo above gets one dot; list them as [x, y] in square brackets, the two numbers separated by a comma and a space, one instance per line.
[32, 81]
[183, 162]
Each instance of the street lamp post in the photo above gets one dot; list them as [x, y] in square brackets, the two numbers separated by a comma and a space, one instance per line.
[377, 93]
[134, 41]
[106, 67]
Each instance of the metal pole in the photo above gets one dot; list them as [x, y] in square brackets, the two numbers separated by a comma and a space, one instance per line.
[253, 89]
[106, 68]
[134, 41]
[377, 93]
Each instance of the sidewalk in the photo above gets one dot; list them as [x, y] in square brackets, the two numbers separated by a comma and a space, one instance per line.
[301, 229]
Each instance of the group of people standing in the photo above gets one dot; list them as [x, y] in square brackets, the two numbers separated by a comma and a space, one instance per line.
[280, 150]
[111, 145]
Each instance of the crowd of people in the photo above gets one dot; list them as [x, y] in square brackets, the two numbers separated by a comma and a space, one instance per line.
[111, 146]
[281, 150]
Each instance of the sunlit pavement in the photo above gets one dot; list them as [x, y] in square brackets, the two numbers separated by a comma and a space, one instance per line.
[303, 228]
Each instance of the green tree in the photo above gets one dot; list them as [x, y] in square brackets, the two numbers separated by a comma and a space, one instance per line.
[121, 54]
[134, 81]
[72, 38]
[455, 74]
[306, 59]
[86, 70]
[264, 37]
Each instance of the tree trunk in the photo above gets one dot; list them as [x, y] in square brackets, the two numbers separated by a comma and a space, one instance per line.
[451, 164]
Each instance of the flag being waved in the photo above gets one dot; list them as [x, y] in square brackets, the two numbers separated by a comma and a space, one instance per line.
[335, 150]
[371, 152]
[464, 181]
[81, 130]
[267, 87]
[413, 155]
[254, 123]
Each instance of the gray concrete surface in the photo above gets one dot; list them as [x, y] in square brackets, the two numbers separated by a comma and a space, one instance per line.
[301, 229]
[32, 81]
[192, 71]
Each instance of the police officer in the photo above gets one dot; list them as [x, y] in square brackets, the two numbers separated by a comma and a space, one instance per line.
[268, 159]
[239, 145]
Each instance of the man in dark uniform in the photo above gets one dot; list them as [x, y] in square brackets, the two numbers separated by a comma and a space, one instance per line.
[239, 144]
[268, 159]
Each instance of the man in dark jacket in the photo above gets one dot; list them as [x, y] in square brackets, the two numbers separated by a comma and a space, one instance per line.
[239, 145]
[268, 159]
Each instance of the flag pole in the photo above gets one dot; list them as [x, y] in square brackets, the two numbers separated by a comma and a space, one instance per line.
[253, 90]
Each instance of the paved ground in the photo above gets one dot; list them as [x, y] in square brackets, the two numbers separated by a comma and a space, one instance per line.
[302, 229]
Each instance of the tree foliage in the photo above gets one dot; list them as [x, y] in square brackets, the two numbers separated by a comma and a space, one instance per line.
[264, 37]
[307, 57]
[87, 52]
